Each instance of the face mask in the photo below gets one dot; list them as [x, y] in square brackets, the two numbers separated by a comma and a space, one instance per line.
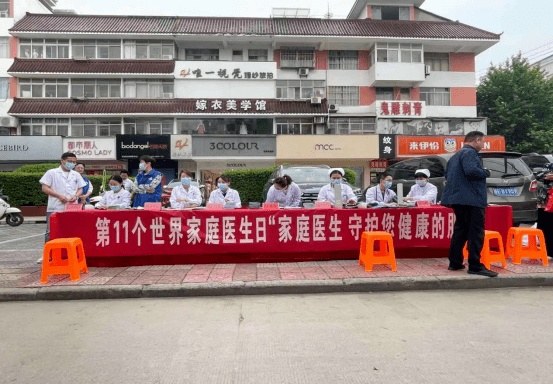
[421, 183]
[388, 184]
[69, 165]
[114, 188]
[336, 181]
[186, 180]
[142, 166]
[222, 186]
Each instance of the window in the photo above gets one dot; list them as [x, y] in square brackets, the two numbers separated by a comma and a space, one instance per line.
[343, 60]
[297, 58]
[96, 49]
[95, 127]
[351, 126]
[4, 8]
[83, 88]
[149, 127]
[54, 88]
[57, 127]
[31, 127]
[108, 89]
[56, 48]
[237, 56]
[405, 94]
[202, 54]
[390, 13]
[258, 55]
[149, 49]
[395, 53]
[300, 89]
[295, 127]
[344, 95]
[436, 96]
[4, 47]
[437, 61]
[384, 94]
[148, 89]
[4, 88]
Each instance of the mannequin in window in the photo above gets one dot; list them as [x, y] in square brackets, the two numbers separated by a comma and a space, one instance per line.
[243, 129]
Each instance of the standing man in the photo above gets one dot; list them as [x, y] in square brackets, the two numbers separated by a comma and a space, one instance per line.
[466, 193]
[147, 185]
[62, 185]
[127, 183]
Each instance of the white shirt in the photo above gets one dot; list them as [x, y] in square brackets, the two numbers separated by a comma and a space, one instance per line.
[192, 194]
[121, 199]
[429, 192]
[127, 184]
[289, 198]
[232, 195]
[63, 183]
[327, 194]
[374, 195]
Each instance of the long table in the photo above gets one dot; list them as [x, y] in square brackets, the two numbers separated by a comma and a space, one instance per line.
[138, 237]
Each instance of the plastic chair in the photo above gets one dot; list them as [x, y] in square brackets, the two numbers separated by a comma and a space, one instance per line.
[214, 206]
[533, 251]
[323, 204]
[72, 265]
[385, 255]
[487, 255]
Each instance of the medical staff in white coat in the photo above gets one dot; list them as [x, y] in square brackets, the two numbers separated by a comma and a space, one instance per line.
[185, 195]
[422, 190]
[118, 196]
[284, 192]
[327, 192]
[382, 193]
[224, 194]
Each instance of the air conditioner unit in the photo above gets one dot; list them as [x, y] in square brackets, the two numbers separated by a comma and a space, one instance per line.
[316, 100]
[303, 71]
[167, 95]
[319, 119]
[426, 70]
[333, 108]
[167, 57]
[80, 58]
[8, 121]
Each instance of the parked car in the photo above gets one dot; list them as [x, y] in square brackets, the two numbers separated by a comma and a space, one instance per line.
[310, 179]
[535, 162]
[167, 189]
[511, 181]
[549, 158]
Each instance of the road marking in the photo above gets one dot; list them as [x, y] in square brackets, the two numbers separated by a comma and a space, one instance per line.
[21, 238]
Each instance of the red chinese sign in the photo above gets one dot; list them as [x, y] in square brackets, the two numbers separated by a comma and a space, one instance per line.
[379, 164]
[400, 109]
[435, 145]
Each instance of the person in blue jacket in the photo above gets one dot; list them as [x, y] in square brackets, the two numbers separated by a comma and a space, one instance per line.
[147, 184]
[465, 192]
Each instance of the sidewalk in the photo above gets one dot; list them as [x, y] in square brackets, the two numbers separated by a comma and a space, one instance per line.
[276, 278]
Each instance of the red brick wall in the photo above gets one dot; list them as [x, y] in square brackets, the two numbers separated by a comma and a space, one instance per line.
[397, 93]
[13, 87]
[276, 57]
[364, 58]
[461, 62]
[369, 12]
[367, 95]
[412, 16]
[13, 47]
[415, 94]
[463, 97]
[321, 60]
[11, 8]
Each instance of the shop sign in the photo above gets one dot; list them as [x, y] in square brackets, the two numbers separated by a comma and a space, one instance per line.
[218, 70]
[91, 148]
[387, 146]
[134, 146]
[379, 164]
[181, 147]
[247, 106]
[327, 147]
[246, 145]
[435, 145]
[400, 108]
[30, 148]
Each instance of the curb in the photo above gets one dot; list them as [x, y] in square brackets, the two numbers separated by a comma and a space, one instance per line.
[353, 285]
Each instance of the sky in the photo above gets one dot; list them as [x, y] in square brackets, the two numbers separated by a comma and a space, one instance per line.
[527, 25]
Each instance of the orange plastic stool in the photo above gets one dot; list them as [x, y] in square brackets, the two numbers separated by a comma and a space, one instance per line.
[72, 266]
[487, 255]
[386, 254]
[532, 251]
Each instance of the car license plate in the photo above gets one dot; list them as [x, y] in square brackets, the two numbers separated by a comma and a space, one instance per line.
[505, 191]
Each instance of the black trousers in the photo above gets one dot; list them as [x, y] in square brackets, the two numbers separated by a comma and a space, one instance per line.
[545, 223]
[469, 226]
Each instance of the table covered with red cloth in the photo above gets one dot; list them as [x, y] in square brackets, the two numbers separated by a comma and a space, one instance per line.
[138, 237]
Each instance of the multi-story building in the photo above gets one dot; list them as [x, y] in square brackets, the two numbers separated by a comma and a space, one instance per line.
[245, 92]
[546, 64]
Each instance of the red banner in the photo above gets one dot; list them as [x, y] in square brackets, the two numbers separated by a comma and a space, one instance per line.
[435, 145]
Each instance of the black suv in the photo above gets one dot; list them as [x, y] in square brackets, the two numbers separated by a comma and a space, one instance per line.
[511, 181]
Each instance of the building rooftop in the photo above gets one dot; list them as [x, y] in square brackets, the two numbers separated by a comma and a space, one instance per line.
[92, 66]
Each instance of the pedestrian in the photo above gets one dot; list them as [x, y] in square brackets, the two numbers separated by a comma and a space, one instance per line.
[185, 195]
[285, 192]
[62, 185]
[336, 178]
[127, 183]
[422, 190]
[224, 194]
[147, 185]
[382, 193]
[545, 218]
[84, 198]
[117, 197]
[466, 193]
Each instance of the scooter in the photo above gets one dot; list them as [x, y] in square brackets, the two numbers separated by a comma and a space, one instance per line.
[13, 215]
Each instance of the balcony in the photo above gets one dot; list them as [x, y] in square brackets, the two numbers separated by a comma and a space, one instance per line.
[404, 75]
[297, 59]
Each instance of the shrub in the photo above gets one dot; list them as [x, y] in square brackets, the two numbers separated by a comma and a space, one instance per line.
[250, 182]
[350, 176]
[36, 168]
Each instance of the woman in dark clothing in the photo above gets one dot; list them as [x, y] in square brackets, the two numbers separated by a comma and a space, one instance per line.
[545, 219]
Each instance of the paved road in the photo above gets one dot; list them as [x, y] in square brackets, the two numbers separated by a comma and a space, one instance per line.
[20, 247]
[502, 336]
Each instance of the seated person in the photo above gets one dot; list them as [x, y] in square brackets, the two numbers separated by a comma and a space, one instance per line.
[118, 196]
[224, 194]
[422, 190]
[284, 192]
[382, 193]
[185, 195]
[327, 192]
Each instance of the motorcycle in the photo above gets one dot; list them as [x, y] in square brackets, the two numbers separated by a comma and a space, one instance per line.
[13, 215]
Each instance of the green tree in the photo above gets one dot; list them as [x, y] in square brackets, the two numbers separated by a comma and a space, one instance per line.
[518, 101]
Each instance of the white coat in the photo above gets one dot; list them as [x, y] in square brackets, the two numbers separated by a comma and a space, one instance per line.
[289, 198]
[374, 195]
[192, 194]
[429, 192]
[121, 199]
[231, 195]
[327, 194]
